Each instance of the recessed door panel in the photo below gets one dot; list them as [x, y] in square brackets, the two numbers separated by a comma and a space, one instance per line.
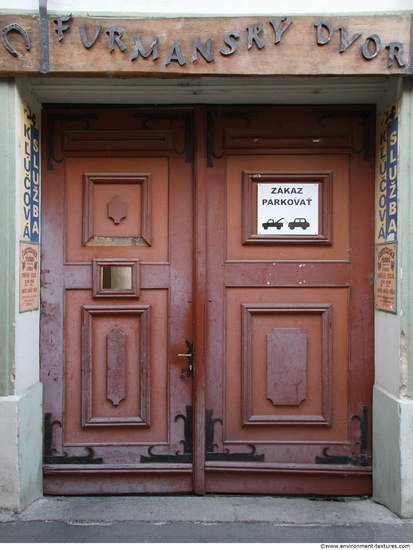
[285, 174]
[315, 362]
[135, 191]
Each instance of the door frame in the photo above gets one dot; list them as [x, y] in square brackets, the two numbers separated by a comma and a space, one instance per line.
[200, 298]
[199, 316]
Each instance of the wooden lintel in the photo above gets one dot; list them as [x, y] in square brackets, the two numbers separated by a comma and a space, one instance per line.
[249, 46]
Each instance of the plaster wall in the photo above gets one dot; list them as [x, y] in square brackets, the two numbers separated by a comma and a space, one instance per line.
[9, 466]
[7, 230]
[386, 450]
[393, 449]
[187, 8]
[21, 453]
[387, 352]
[406, 453]
[30, 446]
[406, 338]
[21, 399]
[392, 395]
[27, 331]
[406, 250]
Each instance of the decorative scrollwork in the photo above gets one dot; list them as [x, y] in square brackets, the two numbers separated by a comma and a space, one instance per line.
[50, 458]
[365, 122]
[356, 460]
[186, 117]
[187, 441]
[51, 119]
[211, 116]
[226, 455]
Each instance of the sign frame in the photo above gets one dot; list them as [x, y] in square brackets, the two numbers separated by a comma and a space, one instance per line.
[392, 246]
[31, 303]
[250, 182]
[300, 202]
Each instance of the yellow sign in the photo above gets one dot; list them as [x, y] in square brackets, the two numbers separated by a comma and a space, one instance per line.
[29, 208]
[29, 277]
[386, 277]
[29, 174]
[386, 174]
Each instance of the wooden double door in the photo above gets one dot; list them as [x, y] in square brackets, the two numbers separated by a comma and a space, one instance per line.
[207, 300]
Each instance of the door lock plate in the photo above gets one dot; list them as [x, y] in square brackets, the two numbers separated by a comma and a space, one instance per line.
[189, 371]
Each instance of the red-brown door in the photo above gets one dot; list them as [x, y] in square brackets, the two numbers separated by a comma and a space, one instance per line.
[117, 300]
[289, 368]
[161, 230]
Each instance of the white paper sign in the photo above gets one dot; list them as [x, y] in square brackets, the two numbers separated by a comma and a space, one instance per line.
[287, 209]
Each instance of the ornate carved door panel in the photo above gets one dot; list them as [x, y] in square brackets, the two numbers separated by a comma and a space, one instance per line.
[289, 368]
[117, 300]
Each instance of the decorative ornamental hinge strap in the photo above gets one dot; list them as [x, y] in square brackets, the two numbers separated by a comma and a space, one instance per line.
[185, 117]
[50, 458]
[211, 116]
[51, 119]
[177, 457]
[356, 460]
[365, 123]
[226, 455]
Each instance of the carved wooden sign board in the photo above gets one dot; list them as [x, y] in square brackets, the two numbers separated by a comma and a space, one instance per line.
[314, 46]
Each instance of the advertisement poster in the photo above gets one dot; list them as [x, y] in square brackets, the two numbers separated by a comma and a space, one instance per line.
[387, 141]
[29, 208]
[287, 209]
[386, 277]
[29, 277]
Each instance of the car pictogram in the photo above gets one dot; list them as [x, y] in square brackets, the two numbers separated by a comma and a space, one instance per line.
[271, 223]
[299, 222]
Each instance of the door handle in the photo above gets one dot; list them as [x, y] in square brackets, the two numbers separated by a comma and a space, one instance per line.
[189, 372]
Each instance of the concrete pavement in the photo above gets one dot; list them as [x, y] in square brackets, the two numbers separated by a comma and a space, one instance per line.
[203, 519]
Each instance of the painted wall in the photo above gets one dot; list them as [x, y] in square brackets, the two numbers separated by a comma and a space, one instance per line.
[393, 390]
[27, 333]
[21, 451]
[20, 390]
[406, 251]
[405, 408]
[7, 230]
[187, 8]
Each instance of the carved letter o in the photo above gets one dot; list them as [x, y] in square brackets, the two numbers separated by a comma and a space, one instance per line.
[365, 51]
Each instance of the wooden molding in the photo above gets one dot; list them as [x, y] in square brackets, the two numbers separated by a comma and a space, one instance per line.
[117, 140]
[311, 139]
[288, 273]
[116, 366]
[88, 313]
[249, 46]
[99, 292]
[89, 238]
[286, 366]
[325, 418]
[200, 298]
[249, 206]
